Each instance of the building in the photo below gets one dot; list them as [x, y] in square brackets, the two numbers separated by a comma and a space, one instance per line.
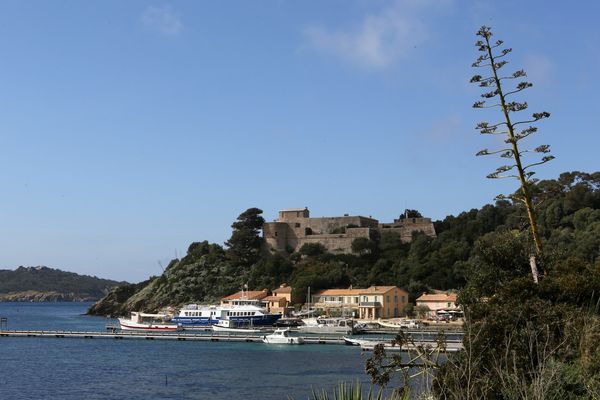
[381, 302]
[284, 291]
[276, 304]
[337, 301]
[294, 228]
[245, 295]
[372, 303]
[437, 302]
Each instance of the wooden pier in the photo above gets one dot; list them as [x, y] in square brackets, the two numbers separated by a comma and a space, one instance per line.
[197, 337]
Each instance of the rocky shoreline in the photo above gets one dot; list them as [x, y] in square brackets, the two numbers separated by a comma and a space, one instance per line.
[33, 296]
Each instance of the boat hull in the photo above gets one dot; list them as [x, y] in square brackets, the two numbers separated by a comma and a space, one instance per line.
[261, 320]
[128, 325]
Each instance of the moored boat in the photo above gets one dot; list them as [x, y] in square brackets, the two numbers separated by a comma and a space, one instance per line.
[404, 324]
[226, 325]
[148, 322]
[321, 325]
[242, 312]
[282, 336]
[358, 342]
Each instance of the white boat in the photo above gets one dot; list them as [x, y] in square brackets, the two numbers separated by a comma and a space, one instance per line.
[148, 322]
[359, 342]
[226, 325]
[322, 325]
[241, 312]
[405, 324]
[282, 336]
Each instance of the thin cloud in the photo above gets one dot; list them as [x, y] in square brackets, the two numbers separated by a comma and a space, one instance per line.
[443, 130]
[380, 39]
[539, 68]
[162, 20]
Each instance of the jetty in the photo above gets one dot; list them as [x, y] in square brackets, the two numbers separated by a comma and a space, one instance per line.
[197, 337]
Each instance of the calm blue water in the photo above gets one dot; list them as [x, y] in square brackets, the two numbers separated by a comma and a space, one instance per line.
[47, 368]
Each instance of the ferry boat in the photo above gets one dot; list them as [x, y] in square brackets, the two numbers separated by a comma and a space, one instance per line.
[242, 312]
[147, 322]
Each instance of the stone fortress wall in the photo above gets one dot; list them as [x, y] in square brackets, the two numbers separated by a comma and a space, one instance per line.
[294, 227]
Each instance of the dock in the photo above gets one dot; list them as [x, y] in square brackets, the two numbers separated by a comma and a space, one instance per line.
[199, 337]
[196, 337]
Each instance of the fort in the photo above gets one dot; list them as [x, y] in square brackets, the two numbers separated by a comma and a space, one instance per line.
[294, 228]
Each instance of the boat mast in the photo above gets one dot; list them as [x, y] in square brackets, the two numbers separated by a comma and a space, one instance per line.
[308, 301]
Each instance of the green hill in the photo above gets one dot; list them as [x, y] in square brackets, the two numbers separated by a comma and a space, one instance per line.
[569, 219]
[49, 284]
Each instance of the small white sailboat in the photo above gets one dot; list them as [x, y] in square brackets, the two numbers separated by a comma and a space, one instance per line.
[282, 336]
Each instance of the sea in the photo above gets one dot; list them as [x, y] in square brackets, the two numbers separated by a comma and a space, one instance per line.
[84, 369]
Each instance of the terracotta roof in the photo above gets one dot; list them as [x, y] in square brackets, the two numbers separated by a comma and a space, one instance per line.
[447, 297]
[248, 294]
[274, 298]
[378, 289]
[285, 289]
[339, 292]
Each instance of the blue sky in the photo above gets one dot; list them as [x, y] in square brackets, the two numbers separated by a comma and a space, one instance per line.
[130, 129]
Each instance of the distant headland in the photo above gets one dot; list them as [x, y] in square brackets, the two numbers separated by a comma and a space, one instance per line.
[39, 284]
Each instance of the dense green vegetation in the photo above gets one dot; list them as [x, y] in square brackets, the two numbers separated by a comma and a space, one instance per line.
[64, 285]
[569, 223]
[527, 340]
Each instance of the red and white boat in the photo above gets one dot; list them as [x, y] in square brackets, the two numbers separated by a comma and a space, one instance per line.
[148, 322]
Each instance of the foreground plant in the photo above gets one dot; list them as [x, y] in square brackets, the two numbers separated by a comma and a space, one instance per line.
[346, 391]
[493, 57]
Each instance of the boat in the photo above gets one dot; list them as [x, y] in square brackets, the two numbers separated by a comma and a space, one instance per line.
[322, 325]
[405, 324]
[226, 325]
[282, 336]
[148, 322]
[356, 342]
[242, 312]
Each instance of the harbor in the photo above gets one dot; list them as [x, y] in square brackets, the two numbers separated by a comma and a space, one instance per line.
[451, 345]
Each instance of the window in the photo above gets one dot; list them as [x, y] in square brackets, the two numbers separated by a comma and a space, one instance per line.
[364, 298]
[297, 225]
[395, 298]
[404, 299]
[356, 299]
[387, 298]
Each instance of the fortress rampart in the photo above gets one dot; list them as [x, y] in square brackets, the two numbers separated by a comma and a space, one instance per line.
[294, 228]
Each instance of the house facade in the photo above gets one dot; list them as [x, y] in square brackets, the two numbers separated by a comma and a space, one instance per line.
[337, 301]
[370, 304]
[381, 302]
[436, 302]
[245, 295]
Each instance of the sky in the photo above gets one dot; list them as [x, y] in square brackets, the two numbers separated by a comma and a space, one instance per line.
[129, 130]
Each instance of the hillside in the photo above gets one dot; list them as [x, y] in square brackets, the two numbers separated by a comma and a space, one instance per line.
[49, 284]
[569, 218]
